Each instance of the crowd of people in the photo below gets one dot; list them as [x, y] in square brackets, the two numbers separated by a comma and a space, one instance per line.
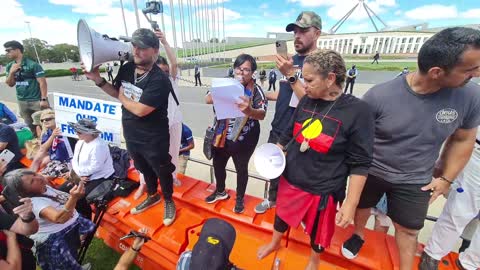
[406, 142]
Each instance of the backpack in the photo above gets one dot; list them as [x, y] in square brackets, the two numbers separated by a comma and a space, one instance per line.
[121, 161]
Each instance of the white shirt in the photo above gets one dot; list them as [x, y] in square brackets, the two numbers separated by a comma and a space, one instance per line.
[92, 159]
[174, 113]
[46, 227]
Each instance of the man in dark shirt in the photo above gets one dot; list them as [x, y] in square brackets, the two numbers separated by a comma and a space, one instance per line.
[272, 79]
[143, 90]
[307, 29]
[9, 141]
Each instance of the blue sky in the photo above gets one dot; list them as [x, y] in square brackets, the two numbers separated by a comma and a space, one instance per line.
[55, 20]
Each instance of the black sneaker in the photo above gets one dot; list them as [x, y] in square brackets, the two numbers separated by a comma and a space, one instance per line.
[147, 203]
[217, 196]
[352, 246]
[239, 206]
[427, 262]
[169, 212]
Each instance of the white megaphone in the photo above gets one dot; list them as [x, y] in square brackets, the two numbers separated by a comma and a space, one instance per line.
[269, 160]
[96, 48]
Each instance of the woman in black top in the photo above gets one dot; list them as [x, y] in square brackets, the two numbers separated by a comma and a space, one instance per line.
[331, 137]
[238, 137]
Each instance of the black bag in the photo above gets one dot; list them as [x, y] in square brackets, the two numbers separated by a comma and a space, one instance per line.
[110, 189]
[121, 161]
[208, 142]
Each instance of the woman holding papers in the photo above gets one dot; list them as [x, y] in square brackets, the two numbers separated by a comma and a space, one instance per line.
[238, 137]
[329, 139]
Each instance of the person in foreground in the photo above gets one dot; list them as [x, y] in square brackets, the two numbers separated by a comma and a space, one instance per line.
[129, 255]
[238, 137]
[143, 89]
[329, 139]
[60, 226]
[414, 115]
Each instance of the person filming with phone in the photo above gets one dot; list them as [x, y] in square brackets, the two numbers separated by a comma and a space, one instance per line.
[306, 29]
[60, 225]
[9, 149]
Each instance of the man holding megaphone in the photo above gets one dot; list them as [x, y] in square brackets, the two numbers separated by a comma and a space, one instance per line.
[143, 89]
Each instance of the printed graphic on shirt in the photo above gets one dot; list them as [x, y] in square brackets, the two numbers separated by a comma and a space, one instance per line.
[320, 134]
[131, 91]
[446, 116]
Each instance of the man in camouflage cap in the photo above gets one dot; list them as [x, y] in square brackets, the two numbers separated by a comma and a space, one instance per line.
[143, 89]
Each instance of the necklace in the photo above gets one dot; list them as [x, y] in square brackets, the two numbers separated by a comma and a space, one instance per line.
[139, 79]
[305, 145]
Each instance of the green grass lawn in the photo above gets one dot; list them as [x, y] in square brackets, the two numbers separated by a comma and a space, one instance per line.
[102, 257]
[382, 66]
[193, 52]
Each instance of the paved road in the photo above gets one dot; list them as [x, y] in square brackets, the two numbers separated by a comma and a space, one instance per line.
[197, 115]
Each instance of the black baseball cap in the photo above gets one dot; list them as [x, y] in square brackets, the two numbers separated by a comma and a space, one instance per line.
[212, 251]
[145, 38]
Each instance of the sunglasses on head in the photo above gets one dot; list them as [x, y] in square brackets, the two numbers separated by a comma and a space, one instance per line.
[46, 120]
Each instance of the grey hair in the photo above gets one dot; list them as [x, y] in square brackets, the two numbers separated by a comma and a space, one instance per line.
[13, 180]
[326, 61]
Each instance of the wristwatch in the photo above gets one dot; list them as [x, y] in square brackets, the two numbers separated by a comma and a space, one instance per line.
[43, 99]
[102, 83]
[293, 79]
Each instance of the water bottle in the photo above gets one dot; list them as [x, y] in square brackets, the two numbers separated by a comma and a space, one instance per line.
[457, 187]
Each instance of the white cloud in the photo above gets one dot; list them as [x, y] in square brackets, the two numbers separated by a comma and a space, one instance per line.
[87, 6]
[471, 14]
[432, 12]
[314, 3]
[358, 27]
[340, 8]
[398, 13]
[263, 6]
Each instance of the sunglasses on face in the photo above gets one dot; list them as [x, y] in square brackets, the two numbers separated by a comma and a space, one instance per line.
[9, 50]
[46, 120]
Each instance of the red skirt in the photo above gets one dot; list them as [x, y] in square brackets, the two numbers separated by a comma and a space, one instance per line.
[295, 205]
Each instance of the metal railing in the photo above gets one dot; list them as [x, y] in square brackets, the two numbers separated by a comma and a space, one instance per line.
[212, 175]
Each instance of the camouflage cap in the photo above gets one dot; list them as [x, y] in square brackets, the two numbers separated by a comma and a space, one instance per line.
[306, 19]
[145, 38]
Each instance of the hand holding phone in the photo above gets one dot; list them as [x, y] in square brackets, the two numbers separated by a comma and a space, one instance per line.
[12, 196]
[6, 156]
[282, 50]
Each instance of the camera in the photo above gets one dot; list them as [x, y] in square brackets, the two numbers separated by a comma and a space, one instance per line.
[153, 7]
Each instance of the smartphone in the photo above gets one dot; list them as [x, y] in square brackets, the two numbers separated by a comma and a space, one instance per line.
[281, 46]
[12, 196]
[6, 156]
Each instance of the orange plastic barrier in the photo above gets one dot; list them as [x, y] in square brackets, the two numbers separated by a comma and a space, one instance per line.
[253, 230]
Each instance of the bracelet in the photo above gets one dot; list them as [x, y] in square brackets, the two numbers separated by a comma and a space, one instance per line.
[102, 83]
[29, 219]
[446, 179]
[136, 250]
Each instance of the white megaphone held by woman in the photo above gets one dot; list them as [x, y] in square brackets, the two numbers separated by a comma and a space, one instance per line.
[96, 48]
[269, 160]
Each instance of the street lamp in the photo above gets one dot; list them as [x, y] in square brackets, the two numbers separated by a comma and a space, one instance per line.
[31, 39]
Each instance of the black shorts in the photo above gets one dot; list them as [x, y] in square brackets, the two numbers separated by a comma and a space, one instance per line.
[407, 204]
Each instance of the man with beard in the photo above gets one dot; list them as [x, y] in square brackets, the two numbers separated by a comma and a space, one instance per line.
[306, 29]
[143, 89]
[414, 115]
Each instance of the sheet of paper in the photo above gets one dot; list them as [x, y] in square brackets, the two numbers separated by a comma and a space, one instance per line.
[226, 92]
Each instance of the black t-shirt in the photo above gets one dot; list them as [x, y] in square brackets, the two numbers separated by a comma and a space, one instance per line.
[8, 135]
[152, 128]
[283, 111]
[341, 143]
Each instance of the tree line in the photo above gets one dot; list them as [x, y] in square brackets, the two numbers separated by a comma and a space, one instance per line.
[58, 53]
